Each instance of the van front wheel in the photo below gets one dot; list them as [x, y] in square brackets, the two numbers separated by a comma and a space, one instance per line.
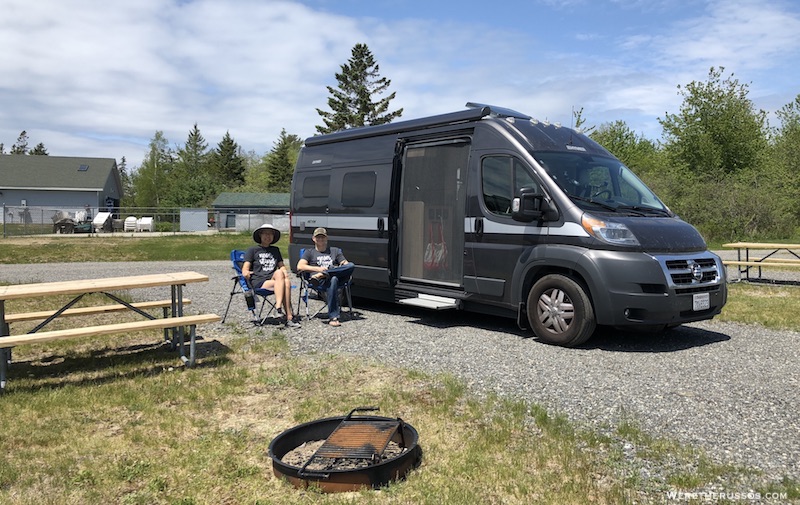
[559, 311]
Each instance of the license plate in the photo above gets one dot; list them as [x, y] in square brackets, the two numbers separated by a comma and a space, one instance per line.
[701, 301]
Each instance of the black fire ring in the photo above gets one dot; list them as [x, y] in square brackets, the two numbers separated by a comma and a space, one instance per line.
[335, 480]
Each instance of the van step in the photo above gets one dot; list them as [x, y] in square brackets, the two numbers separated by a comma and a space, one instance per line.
[431, 302]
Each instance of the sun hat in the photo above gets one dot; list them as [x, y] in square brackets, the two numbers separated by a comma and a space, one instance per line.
[320, 231]
[275, 236]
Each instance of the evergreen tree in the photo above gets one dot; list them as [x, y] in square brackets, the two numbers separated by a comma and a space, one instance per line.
[39, 150]
[228, 163]
[151, 180]
[21, 145]
[128, 195]
[280, 162]
[351, 104]
[191, 184]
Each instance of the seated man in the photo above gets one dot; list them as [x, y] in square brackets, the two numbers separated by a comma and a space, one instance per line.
[330, 268]
[263, 268]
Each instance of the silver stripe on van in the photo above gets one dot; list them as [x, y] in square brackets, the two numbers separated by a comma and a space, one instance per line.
[371, 223]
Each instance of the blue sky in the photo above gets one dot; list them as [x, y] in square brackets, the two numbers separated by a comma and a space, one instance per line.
[98, 78]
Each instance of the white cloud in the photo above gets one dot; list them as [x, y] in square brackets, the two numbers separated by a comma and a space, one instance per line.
[88, 77]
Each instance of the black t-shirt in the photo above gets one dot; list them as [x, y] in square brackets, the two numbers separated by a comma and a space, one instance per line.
[264, 261]
[329, 258]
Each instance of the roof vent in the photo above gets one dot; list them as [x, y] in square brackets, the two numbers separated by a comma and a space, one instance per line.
[83, 168]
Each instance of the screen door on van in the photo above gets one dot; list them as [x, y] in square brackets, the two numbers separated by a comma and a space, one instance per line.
[432, 205]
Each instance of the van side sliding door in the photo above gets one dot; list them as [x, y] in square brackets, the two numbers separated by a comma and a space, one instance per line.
[431, 212]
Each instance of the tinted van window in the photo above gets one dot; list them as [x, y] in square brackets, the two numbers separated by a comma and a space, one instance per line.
[502, 177]
[358, 189]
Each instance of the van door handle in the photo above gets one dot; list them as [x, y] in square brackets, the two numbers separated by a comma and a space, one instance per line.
[380, 227]
[479, 228]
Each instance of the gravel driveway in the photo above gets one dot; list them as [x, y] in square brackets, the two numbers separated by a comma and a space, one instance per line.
[731, 389]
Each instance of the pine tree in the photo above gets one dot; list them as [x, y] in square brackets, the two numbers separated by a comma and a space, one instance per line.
[192, 184]
[351, 104]
[228, 163]
[280, 162]
[39, 150]
[21, 145]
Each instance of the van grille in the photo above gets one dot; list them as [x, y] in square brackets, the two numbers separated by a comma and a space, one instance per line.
[691, 272]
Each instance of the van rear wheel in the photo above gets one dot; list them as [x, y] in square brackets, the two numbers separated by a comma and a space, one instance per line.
[559, 311]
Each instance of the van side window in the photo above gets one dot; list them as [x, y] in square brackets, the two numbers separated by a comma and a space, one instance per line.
[501, 178]
[316, 187]
[358, 189]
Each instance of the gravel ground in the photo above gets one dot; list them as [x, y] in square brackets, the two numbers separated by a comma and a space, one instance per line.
[731, 389]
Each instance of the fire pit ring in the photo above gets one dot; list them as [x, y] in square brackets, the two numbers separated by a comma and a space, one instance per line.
[346, 433]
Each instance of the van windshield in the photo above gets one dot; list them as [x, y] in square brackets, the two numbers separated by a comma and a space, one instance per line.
[600, 183]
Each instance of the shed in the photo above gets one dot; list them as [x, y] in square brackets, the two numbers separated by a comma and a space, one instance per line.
[248, 211]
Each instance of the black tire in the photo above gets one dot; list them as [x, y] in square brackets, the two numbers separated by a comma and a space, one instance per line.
[559, 311]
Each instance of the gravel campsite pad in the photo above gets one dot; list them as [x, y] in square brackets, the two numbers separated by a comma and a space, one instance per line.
[730, 389]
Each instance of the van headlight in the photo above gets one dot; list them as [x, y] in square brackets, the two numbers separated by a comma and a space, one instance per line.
[610, 232]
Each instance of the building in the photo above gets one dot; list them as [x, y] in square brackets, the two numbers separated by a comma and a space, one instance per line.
[248, 211]
[57, 183]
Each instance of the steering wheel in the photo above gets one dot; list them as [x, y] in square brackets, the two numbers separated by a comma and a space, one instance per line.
[606, 192]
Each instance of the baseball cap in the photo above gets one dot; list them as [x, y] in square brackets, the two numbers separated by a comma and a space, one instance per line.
[320, 231]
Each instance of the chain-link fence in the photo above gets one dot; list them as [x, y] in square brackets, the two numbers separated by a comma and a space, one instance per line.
[28, 220]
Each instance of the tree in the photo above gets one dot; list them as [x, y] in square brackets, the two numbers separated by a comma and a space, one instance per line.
[191, 183]
[351, 104]
[717, 130]
[718, 141]
[39, 150]
[151, 180]
[633, 150]
[125, 180]
[21, 145]
[281, 160]
[227, 163]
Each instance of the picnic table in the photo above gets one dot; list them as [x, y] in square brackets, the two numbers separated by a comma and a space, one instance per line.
[173, 321]
[764, 255]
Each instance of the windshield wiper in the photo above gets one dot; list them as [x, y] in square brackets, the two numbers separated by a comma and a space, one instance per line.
[595, 202]
[651, 210]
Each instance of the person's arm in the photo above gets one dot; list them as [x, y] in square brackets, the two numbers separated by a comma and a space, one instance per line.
[305, 266]
[340, 259]
[247, 270]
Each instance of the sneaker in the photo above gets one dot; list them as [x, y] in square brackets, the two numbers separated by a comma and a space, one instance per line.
[279, 311]
[291, 323]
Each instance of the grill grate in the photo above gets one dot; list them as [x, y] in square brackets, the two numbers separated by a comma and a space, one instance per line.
[358, 438]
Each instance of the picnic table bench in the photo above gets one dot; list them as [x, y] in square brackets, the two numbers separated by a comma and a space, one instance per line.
[173, 319]
[767, 258]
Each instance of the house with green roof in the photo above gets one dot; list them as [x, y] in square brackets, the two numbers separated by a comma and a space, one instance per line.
[248, 211]
[60, 183]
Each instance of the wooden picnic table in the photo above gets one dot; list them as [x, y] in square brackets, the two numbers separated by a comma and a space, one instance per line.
[173, 319]
[767, 257]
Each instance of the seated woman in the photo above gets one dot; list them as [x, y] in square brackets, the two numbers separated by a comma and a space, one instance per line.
[263, 268]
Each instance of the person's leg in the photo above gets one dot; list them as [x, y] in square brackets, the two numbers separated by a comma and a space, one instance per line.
[333, 299]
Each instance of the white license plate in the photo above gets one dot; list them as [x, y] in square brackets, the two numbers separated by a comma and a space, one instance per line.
[701, 301]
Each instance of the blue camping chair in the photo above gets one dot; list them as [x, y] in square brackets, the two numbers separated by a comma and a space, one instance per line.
[242, 287]
[309, 291]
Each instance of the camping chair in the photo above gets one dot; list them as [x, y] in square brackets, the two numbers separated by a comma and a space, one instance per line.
[307, 291]
[242, 286]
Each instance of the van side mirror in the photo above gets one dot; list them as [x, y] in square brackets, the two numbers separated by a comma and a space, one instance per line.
[529, 206]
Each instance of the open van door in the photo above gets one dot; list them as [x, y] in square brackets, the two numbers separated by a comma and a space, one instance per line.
[431, 212]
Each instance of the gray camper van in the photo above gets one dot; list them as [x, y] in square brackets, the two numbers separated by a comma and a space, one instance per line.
[492, 211]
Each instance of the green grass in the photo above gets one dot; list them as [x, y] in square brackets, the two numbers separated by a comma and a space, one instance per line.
[143, 247]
